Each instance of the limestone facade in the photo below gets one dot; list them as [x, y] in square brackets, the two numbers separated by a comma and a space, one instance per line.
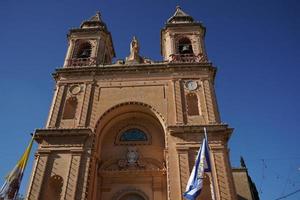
[131, 130]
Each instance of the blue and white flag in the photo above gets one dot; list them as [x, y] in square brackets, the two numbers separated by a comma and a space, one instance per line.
[202, 165]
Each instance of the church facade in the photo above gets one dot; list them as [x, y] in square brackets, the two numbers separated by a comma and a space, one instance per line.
[130, 130]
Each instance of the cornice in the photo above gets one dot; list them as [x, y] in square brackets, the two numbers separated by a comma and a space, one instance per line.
[199, 128]
[154, 68]
[59, 132]
[87, 30]
[213, 130]
[239, 169]
[109, 173]
[197, 24]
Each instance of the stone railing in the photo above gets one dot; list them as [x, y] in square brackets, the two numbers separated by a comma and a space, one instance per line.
[187, 58]
[74, 62]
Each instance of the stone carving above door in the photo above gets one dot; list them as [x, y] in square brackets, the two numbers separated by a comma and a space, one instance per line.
[132, 160]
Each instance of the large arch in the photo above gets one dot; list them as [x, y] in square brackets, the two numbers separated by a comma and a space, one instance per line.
[128, 192]
[136, 105]
[121, 108]
[135, 162]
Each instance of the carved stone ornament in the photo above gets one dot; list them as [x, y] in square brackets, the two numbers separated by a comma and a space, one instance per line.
[132, 155]
[75, 89]
[191, 85]
[133, 160]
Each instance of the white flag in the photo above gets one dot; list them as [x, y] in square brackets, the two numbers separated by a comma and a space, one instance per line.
[202, 165]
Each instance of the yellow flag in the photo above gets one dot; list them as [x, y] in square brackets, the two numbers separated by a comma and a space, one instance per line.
[11, 186]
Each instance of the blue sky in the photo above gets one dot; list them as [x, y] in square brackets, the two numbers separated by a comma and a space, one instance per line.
[255, 45]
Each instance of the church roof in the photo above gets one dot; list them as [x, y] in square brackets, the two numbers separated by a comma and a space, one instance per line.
[94, 21]
[180, 17]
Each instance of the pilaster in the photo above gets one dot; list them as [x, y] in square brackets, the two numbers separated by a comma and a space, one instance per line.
[69, 51]
[92, 117]
[178, 101]
[222, 175]
[37, 179]
[73, 176]
[86, 103]
[209, 102]
[184, 168]
[57, 106]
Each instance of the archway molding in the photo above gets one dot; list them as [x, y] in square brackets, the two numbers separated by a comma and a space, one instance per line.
[136, 104]
[129, 190]
[125, 108]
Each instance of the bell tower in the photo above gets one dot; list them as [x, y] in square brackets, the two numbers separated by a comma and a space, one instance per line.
[90, 45]
[182, 39]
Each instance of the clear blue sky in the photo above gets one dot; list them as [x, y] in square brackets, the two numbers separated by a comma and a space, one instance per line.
[255, 45]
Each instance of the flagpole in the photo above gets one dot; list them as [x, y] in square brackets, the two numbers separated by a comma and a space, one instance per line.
[27, 152]
[25, 157]
[212, 176]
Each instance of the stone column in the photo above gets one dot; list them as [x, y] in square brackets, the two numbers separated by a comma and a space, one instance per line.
[69, 52]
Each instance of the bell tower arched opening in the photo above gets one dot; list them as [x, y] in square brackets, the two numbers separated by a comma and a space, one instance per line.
[84, 50]
[131, 149]
[185, 46]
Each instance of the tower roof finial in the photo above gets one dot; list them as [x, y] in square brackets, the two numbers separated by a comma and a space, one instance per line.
[94, 21]
[96, 17]
[180, 17]
[242, 161]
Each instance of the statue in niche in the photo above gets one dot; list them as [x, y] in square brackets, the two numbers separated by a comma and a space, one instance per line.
[134, 56]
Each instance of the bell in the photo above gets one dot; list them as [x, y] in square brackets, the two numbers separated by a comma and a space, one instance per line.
[85, 53]
[186, 49]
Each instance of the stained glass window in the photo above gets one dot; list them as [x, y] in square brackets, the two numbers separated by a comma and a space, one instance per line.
[133, 134]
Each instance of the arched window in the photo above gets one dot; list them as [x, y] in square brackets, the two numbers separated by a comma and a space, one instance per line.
[84, 50]
[192, 104]
[133, 135]
[185, 46]
[70, 108]
[55, 187]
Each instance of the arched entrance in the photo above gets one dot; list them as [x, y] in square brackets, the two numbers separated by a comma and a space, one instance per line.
[131, 149]
[132, 197]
